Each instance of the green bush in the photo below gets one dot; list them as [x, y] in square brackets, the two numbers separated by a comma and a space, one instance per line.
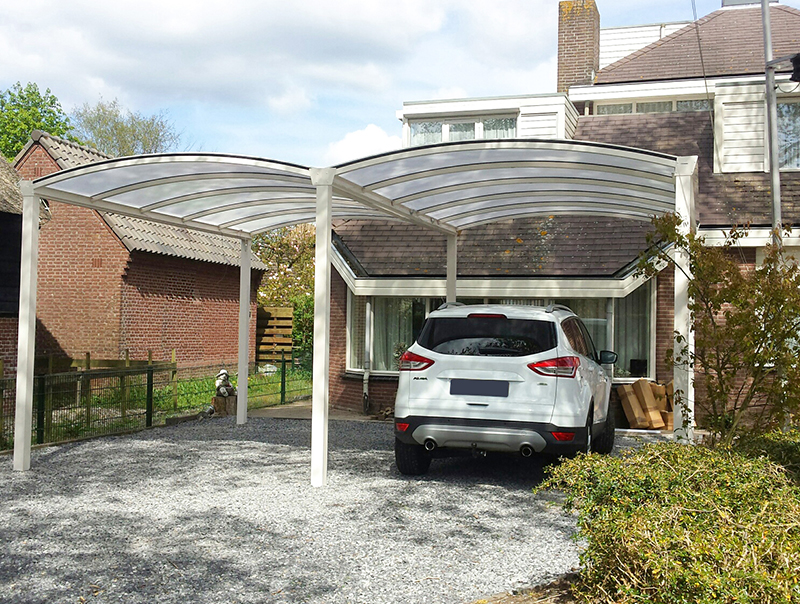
[677, 524]
[783, 448]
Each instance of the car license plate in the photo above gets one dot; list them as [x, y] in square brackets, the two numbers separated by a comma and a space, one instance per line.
[479, 387]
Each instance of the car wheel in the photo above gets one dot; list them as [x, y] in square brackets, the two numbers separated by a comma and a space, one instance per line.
[604, 443]
[589, 446]
[412, 460]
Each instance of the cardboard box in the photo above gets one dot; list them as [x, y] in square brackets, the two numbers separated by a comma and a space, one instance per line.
[630, 404]
[660, 394]
[668, 419]
[648, 403]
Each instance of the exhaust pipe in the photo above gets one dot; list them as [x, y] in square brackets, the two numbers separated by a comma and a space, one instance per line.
[430, 444]
[526, 450]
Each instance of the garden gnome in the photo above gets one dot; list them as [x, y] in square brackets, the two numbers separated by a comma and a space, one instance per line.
[224, 386]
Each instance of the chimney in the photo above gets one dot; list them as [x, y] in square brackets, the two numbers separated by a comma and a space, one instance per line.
[578, 43]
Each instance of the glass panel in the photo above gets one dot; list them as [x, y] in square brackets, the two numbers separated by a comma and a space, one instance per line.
[789, 135]
[592, 312]
[488, 336]
[501, 127]
[357, 309]
[614, 109]
[397, 322]
[426, 133]
[462, 131]
[654, 107]
[632, 333]
[695, 105]
[518, 301]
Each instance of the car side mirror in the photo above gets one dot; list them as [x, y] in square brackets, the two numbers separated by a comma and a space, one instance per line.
[607, 357]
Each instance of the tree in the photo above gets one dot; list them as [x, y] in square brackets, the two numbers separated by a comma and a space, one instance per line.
[745, 322]
[289, 252]
[23, 110]
[117, 131]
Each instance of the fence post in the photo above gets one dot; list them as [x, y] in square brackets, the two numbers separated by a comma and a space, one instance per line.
[86, 391]
[148, 418]
[124, 385]
[283, 377]
[2, 404]
[40, 401]
[48, 401]
[174, 379]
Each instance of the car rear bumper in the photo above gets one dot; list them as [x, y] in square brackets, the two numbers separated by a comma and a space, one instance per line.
[488, 435]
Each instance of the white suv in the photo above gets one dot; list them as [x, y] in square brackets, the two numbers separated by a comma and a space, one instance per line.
[514, 379]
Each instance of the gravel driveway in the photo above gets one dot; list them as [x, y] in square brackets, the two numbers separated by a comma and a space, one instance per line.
[211, 512]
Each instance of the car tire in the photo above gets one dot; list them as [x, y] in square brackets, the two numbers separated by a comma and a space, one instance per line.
[588, 447]
[412, 460]
[604, 443]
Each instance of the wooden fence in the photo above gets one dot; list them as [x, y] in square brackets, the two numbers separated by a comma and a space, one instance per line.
[274, 334]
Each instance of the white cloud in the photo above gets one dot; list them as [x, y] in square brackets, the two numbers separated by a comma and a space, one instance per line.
[293, 100]
[361, 143]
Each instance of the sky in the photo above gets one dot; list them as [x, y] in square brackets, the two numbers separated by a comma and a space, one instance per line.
[313, 82]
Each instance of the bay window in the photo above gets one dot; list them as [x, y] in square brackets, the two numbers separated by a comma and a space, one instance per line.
[789, 135]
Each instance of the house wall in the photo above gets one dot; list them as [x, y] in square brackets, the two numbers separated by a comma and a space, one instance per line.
[665, 322]
[8, 345]
[739, 130]
[346, 390]
[578, 43]
[193, 307]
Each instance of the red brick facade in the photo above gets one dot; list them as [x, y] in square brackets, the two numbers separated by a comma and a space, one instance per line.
[665, 322]
[95, 296]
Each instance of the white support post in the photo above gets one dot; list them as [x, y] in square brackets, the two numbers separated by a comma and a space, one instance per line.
[244, 332]
[685, 192]
[452, 267]
[26, 338]
[322, 178]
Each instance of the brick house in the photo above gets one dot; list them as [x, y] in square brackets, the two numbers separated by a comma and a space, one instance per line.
[644, 87]
[108, 283]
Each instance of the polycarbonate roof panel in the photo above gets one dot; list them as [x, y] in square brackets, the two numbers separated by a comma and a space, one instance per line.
[447, 187]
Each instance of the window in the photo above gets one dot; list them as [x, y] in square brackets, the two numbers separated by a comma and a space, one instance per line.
[615, 109]
[397, 323]
[789, 135]
[431, 132]
[488, 336]
[696, 105]
[632, 333]
[426, 133]
[575, 337]
[593, 313]
[656, 107]
[356, 332]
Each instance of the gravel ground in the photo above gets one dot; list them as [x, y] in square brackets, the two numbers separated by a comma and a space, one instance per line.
[213, 512]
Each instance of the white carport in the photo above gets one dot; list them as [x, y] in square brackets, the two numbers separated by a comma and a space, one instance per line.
[445, 187]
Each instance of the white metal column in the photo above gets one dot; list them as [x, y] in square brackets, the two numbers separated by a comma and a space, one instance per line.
[322, 178]
[685, 191]
[244, 331]
[26, 337]
[452, 267]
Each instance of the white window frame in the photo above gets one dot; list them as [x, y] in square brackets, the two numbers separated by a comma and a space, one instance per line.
[448, 121]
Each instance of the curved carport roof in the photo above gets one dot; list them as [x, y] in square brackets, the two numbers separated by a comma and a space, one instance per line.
[446, 187]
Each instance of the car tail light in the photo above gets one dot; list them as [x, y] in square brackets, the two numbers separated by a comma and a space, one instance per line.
[563, 436]
[401, 427]
[413, 362]
[559, 367]
[486, 316]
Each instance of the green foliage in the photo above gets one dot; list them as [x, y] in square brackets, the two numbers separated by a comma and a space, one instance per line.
[289, 253]
[745, 324]
[672, 524]
[23, 110]
[119, 132]
[782, 448]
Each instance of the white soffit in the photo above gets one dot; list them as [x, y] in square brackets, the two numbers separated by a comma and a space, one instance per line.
[447, 187]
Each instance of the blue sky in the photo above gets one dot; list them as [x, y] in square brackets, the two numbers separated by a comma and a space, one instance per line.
[313, 82]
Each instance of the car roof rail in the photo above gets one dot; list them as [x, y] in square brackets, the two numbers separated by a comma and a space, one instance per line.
[450, 305]
[552, 307]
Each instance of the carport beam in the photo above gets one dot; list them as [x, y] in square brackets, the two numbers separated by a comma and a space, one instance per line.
[452, 267]
[322, 178]
[244, 331]
[26, 338]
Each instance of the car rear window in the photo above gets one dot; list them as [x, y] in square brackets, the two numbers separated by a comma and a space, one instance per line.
[487, 336]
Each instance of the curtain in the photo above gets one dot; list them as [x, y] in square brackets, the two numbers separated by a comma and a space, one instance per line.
[632, 333]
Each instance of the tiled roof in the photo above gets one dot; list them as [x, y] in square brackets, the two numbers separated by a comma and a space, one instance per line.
[10, 196]
[562, 246]
[731, 40]
[723, 199]
[141, 235]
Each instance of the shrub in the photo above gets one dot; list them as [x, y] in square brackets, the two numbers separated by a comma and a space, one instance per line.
[782, 448]
[674, 524]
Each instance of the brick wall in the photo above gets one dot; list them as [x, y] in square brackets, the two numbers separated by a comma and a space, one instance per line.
[183, 304]
[8, 345]
[578, 43]
[36, 162]
[346, 391]
[665, 321]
